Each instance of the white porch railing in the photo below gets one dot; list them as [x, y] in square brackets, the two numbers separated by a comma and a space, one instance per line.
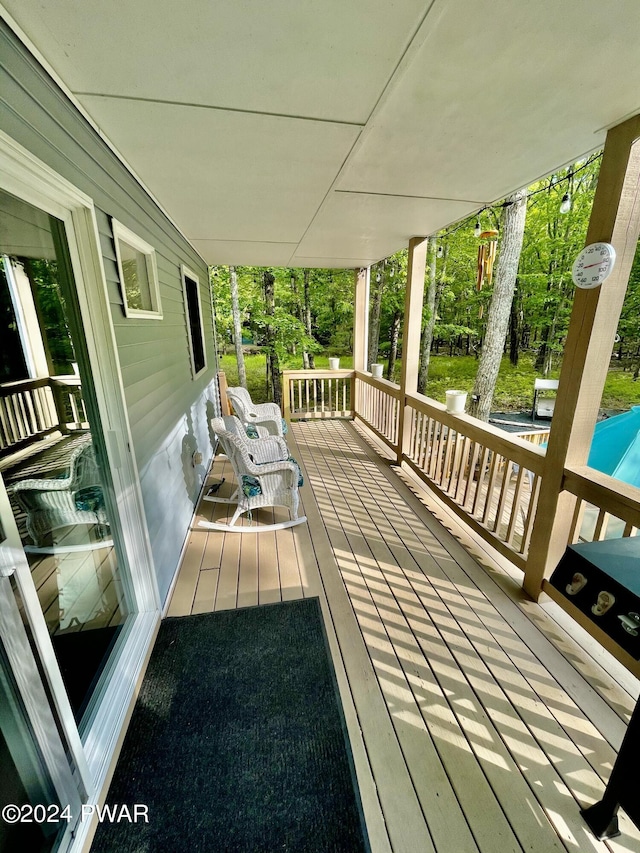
[310, 394]
[487, 476]
[378, 405]
[490, 478]
[606, 508]
[27, 409]
[33, 408]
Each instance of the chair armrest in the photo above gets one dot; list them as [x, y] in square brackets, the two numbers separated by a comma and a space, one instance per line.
[45, 484]
[268, 410]
[268, 449]
[273, 467]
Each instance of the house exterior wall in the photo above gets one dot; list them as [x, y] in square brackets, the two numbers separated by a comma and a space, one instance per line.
[168, 410]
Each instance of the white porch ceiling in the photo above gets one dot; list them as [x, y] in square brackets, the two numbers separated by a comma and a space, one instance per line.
[301, 133]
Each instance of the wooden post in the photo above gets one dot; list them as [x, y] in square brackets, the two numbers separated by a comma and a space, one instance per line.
[225, 409]
[413, 299]
[361, 318]
[615, 218]
[286, 396]
[360, 328]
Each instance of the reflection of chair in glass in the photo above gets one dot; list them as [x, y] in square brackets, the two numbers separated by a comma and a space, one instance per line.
[266, 417]
[64, 490]
[265, 473]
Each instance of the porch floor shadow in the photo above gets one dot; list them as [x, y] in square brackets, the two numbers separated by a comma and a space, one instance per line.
[479, 720]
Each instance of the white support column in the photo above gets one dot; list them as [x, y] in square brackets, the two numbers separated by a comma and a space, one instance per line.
[360, 329]
[414, 297]
[27, 317]
[361, 319]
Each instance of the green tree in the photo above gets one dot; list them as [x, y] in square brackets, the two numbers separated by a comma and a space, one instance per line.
[627, 347]
[512, 233]
[429, 316]
[552, 241]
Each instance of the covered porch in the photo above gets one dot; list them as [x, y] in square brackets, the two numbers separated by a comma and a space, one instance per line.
[479, 719]
[485, 709]
[482, 713]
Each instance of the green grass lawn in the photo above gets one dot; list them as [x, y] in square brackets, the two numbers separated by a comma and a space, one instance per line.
[514, 391]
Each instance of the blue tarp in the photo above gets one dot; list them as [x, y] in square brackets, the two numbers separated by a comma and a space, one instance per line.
[615, 448]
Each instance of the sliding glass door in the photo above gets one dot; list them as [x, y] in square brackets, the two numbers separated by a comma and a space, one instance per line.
[77, 582]
[52, 455]
[40, 800]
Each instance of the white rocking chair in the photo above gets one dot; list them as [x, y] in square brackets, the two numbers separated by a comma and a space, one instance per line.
[266, 417]
[265, 473]
[61, 488]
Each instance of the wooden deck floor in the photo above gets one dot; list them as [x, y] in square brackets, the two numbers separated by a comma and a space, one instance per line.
[480, 722]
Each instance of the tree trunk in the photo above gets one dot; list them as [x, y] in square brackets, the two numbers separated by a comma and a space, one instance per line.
[237, 327]
[273, 366]
[308, 358]
[513, 219]
[515, 322]
[297, 308]
[430, 305]
[393, 340]
[374, 321]
[544, 356]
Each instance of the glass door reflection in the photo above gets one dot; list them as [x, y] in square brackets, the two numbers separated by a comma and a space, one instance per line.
[51, 455]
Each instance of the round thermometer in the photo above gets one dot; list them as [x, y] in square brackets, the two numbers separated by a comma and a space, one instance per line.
[593, 265]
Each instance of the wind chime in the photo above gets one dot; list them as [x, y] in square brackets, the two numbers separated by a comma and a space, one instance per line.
[486, 259]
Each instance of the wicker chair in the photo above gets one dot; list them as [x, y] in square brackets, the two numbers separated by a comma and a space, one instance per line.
[266, 417]
[66, 493]
[266, 475]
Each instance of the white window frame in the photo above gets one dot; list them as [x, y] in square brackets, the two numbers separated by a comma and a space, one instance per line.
[123, 234]
[185, 273]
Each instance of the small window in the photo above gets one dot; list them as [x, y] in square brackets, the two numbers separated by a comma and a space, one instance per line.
[191, 287]
[138, 274]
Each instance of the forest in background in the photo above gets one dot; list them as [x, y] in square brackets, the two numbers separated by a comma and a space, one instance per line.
[294, 316]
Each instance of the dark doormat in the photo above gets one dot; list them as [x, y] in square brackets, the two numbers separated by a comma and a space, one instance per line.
[237, 742]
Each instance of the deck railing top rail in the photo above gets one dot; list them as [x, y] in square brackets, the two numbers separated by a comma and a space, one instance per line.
[379, 382]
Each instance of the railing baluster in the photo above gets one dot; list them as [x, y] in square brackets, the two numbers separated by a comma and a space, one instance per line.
[515, 506]
[600, 531]
[491, 483]
[435, 453]
[4, 425]
[528, 525]
[461, 468]
[507, 470]
[473, 461]
[430, 444]
[417, 423]
[576, 521]
[452, 461]
[482, 470]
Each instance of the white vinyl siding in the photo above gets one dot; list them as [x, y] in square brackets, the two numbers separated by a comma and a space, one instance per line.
[168, 411]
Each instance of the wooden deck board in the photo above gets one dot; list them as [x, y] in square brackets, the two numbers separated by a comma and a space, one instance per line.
[442, 678]
[475, 723]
